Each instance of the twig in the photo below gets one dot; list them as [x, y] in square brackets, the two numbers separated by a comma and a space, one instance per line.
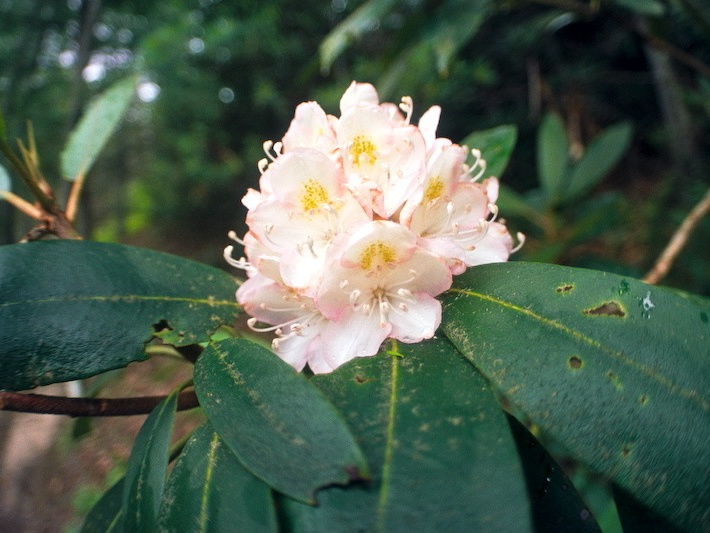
[678, 241]
[22, 205]
[61, 405]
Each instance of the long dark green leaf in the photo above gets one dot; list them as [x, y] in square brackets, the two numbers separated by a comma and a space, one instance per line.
[454, 23]
[278, 424]
[601, 156]
[496, 146]
[362, 20]
[95, 128]
[72, 309]
[105, 516]
[146, 471]
[616, 370]
[552, 156]
[209, 490]
[441, 451]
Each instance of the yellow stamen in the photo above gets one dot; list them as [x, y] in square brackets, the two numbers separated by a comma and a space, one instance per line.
[362, 151]
[376, 255]
[434, 189]
[313, 195]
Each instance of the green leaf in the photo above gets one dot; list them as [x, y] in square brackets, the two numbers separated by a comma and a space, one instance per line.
[496, 146]
[653, 8]
[555, 503]
[278, 424]
[440, 448]
[552, 150]
[513, 204]
[615, 370]
[209, 490]
[3, 130]
[361, 21]
[72, 309]
[105, 516]
[454, 23]
[95, 128]
[147, 466]
[600, 157]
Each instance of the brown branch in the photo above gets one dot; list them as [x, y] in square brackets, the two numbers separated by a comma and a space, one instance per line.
[61, 405]
[678, 241]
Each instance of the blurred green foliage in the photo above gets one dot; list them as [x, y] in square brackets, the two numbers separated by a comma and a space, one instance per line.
[619, 89]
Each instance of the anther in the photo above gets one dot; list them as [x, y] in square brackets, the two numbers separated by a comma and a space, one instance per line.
[263, 165]
[521, 241]
[407, 106]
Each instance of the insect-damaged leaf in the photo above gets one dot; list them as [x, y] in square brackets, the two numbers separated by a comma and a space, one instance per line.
[616, 370]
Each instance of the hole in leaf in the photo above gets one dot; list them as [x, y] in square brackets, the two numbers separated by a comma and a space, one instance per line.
[565, 288]
[162, 325]
[607, 309]
[627, 450]
[575, 362]
[360, 379]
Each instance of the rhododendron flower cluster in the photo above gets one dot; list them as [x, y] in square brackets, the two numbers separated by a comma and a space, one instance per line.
[359, 223]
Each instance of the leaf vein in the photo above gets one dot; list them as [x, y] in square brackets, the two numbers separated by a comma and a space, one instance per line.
[674, 388]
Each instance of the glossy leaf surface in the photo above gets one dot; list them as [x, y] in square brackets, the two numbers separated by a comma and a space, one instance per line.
[276, 422]
[209, 490]
[95, 128]
[72, 309]
[146, 470]
[615, 370]
[440, 449]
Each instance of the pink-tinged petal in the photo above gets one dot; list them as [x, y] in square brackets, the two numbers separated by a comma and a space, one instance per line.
[378, 244]
[358, 95]
[303, 271]
[448, 250]
[428, 123]
[310, 128]
[299, 349]
[252, 199]
[268, 301]
[305, 180]
[495, 247]
[426, 211]
[423, 272]
[492, 187]
[357, 335]
[419, 321]
[261, 258]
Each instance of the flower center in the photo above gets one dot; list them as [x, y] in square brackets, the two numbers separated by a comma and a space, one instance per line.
[362, 151]
[434, 189]
[313, 195]
[376, 255]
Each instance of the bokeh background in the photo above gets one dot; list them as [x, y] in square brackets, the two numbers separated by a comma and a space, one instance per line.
[217, 78]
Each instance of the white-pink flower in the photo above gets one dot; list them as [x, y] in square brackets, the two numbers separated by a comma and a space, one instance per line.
[359, 224]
